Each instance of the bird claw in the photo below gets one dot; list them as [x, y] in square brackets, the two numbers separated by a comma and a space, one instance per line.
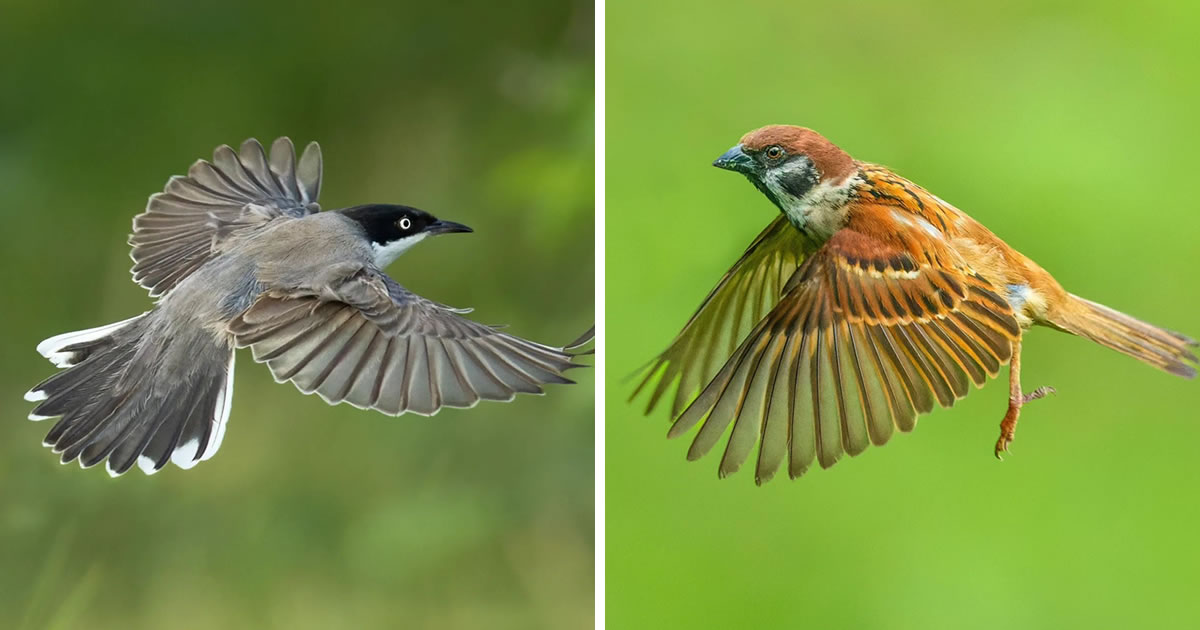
[1040, 392]
[1008, 426]
[1008, 431]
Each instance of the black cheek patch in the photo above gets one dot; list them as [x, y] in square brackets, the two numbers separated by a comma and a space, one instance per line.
[798, 183]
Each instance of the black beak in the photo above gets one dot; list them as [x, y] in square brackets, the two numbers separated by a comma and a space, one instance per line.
[446, 227]
[736, 159]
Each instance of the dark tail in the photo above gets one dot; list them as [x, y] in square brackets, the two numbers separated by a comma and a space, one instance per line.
[132, 394]
[1165, 350]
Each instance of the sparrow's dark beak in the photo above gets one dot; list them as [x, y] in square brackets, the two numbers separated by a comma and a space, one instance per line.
[736, 159]
[446, 227]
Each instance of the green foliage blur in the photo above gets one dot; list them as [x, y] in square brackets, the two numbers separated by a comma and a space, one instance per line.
[1069, 129]
[310, 516]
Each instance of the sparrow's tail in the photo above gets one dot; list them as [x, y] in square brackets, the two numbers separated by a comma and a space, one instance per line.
[132, 393]
[1164, 349]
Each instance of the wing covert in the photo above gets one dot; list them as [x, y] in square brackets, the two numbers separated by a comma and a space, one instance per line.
[183, 225]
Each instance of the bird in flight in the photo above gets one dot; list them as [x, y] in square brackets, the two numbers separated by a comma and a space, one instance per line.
[239, 254]
[864, 304]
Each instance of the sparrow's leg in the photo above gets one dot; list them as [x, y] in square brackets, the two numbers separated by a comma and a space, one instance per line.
[1008, 426]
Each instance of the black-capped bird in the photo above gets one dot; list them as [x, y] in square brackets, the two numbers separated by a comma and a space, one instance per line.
[239, 254]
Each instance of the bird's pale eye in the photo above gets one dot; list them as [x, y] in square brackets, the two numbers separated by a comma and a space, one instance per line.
[405, 223]
[774, 152]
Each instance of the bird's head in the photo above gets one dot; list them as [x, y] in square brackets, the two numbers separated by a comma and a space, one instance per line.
[393, 229]
[796, 168]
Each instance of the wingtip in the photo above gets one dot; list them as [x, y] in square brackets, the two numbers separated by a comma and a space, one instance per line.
[583, 340]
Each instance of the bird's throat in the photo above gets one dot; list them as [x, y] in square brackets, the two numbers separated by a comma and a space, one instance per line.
[819, 211]
[387, 253]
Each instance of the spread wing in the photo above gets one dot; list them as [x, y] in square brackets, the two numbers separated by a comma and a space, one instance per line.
[183, 225]
[867, 336]
[743, 296]
[380, 346]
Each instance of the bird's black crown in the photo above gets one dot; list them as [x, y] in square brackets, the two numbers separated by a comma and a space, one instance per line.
[386, 223]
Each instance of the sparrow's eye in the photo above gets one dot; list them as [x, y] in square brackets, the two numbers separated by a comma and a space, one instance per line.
[774, 152]
[405, 223]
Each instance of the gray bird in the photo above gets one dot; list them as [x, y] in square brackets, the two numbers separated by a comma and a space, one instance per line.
[239, 254]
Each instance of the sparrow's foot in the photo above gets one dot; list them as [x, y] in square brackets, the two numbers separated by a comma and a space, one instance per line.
[1008, 426]
[1040, 392]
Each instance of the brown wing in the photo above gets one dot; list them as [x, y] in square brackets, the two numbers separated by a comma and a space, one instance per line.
[743, 296]
[866, 338]
[382, 347]
[181, 225]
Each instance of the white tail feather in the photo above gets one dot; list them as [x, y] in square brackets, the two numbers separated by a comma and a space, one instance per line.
[52, 348]
[221, 415]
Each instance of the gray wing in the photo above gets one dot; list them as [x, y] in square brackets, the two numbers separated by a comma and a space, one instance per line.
[380, 346]
[183, 225]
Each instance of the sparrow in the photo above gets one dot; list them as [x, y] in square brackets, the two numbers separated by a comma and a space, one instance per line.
[239, 254]
[864, 304]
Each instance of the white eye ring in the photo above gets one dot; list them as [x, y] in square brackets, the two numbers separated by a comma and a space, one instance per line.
[405, 223]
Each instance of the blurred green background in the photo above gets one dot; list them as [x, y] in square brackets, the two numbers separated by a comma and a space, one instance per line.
[1070, 130]
[310, 516]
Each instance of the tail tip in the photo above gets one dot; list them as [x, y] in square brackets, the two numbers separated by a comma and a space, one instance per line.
[185, 455]
[147, 464]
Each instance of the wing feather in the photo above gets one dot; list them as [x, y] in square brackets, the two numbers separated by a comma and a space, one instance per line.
[183, 225]
[743, 296]
[773, 446]
[379, 346]
[860, 344]
[801, 430]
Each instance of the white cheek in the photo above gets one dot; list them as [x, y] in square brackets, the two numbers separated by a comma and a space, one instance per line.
[386, 254]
